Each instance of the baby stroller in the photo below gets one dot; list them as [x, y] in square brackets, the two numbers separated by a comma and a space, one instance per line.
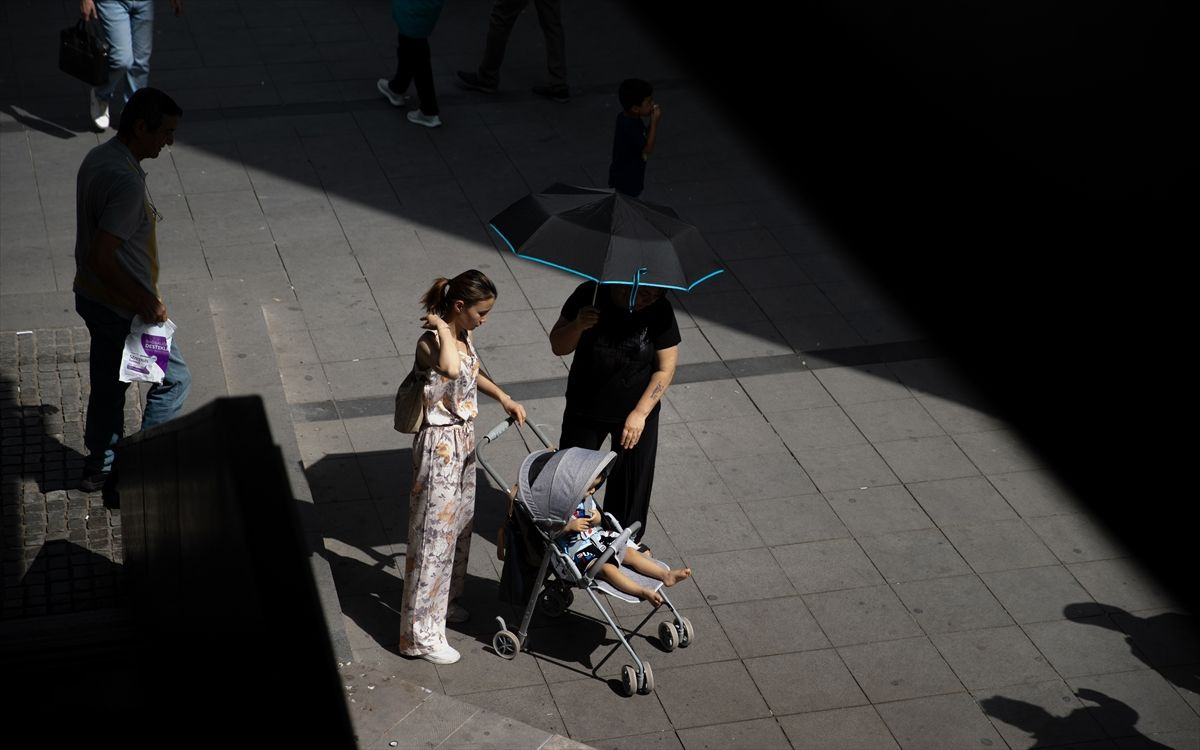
[550, 485]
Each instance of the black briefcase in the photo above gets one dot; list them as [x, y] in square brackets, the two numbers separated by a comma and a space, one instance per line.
[83, 55]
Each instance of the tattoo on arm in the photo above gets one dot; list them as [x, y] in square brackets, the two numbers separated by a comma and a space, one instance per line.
[658, 391]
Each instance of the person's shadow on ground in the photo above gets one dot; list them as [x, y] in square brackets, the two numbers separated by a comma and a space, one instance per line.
[1168, 643]
[1084, 724]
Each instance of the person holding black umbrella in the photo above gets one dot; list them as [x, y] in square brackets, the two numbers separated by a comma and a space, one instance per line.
[626, 346]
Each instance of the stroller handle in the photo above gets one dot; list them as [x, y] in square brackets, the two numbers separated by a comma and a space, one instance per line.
[493, 435]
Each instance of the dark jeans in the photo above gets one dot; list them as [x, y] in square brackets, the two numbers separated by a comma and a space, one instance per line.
[504, 15]
[413, 65]
[627, 491]
[106, 404]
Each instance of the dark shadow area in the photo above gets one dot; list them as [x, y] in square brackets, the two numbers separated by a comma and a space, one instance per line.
[224, 635]
[1014, 175]
[66, 577]
[1109, 717]
[1168, 643]
[59, 127]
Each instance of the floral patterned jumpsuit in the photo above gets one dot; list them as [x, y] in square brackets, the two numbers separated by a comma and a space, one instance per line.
[441, 506]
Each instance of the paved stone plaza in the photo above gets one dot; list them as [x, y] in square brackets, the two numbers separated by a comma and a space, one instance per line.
[879, 560]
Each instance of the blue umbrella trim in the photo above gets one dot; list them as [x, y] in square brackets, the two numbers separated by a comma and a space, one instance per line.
[589, 277]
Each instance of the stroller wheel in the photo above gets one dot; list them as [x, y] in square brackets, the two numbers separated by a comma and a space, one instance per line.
[628, 680]
[647, 681]
[689, 634]
[666, 635]
[505, 644]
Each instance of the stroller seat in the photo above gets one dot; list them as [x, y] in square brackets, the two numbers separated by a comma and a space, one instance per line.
[550, 485]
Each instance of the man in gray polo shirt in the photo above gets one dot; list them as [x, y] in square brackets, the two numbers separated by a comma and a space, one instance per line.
[116, 273]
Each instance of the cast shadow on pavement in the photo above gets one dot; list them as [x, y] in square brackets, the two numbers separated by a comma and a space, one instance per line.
[1168, 642]
[1088, 723]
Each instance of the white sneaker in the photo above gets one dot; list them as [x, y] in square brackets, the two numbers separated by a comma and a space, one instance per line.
[457, 613]
[396, 100]
[418, 117]
[447, 654]
[98, 110]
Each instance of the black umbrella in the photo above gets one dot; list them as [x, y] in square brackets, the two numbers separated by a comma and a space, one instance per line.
[607, 237]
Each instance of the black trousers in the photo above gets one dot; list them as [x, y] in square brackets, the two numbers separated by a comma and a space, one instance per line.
[627, 491]
[413, 65]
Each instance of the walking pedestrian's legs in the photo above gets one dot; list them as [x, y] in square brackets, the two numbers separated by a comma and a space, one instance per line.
[129, 30]
[550, 19]
[104, 423]
[164, 400]
[500, 24]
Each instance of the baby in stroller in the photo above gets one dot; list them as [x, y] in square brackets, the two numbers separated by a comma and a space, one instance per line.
[554, 524]
[583, 540]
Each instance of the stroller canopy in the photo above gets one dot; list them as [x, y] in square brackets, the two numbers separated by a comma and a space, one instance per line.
[552, 483]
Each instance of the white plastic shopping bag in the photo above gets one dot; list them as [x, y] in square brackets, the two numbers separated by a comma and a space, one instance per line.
[147, 351]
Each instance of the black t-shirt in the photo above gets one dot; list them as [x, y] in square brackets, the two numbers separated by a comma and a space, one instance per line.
[627, 172]
[616, 357]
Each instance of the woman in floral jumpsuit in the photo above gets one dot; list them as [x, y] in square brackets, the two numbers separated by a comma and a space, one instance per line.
[442, 503]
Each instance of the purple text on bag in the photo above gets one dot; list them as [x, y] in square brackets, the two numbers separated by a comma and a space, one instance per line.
[156, 346]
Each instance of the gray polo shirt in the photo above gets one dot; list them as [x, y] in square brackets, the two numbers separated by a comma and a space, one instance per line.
[110, 194]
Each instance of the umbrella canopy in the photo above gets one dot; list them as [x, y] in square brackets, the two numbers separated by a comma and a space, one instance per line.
[607, 237]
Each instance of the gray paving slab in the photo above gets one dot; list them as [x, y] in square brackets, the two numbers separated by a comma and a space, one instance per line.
[993, 657]
[894, 419]
[661, 740]
[856, 728]
[1076, 537]
[642, 714]
[827, 565]
[857, 385]
[999, 545]
[878, 510]
[794, 520]
[714, 693]
[808, 681]
[957, 417]
[826, 427]
[724, 577]
[679, 484]
[1040, 594]
[925, 459]
[702, 527]
[735, 437]
[913, 555]
[793, 390]
[763, 476]
[1082, 647]
[861, 615]
[1121, 583]
[1035, 493]
[770, 626]
[901, 669]
[942, 722]
[757, 733]
[962, 501]
[953, 604]
[846, 468]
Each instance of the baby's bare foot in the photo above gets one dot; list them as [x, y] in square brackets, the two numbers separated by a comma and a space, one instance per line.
[652, 596]
[675, 576]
